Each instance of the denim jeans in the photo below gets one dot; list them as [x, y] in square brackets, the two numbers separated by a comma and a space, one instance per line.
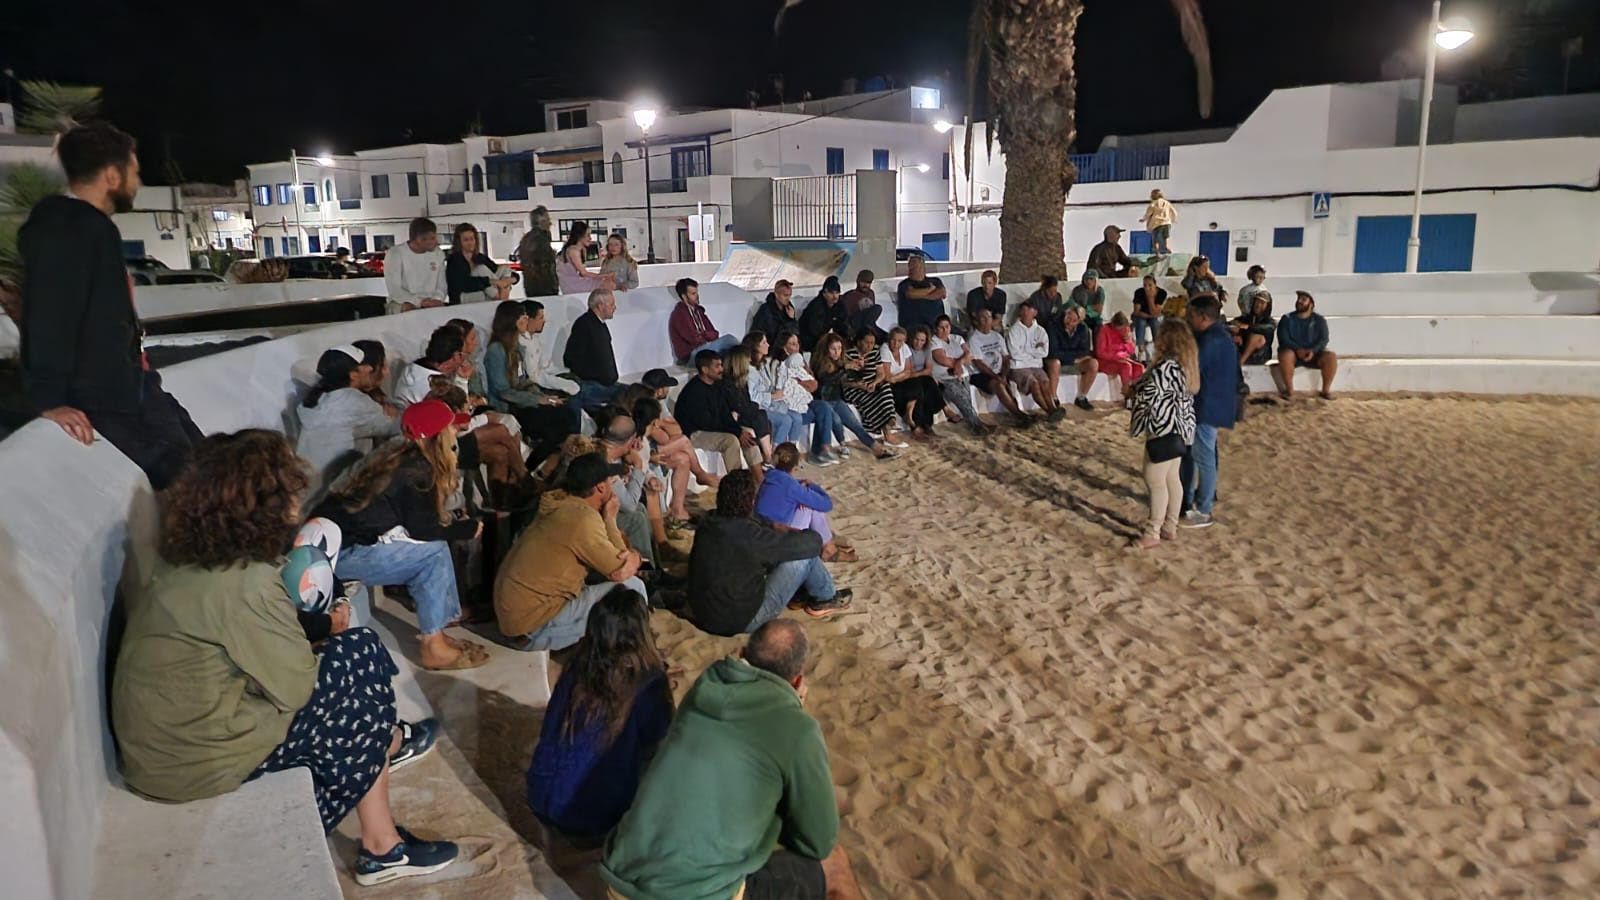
[593, 395]
[787, 426]
[821, 416]
[720, 345]
[569, 625]
[1200, 470]
[782, 583]
[1158, 239]
[426, 569]
[1144, 329]
[845, 417]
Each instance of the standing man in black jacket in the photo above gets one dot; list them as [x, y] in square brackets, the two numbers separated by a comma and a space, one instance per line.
[743, 571]
[83, 363]
[589, 355]
[707, 410]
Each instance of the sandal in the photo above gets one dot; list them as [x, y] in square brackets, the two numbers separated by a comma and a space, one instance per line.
[845, 554]
[471, 657]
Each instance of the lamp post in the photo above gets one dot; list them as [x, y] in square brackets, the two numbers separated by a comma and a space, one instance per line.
[644, 117]
[297, 192]
[1449, 35]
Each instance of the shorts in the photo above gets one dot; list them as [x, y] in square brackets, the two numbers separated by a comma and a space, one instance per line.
[986, 383]
[1028, 379]
[1315, 362]
[787, 876]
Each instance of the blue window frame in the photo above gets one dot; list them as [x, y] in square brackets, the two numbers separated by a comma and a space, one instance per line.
[284, 243]
[310, 192]
[266, 248]
[412, 187]
[947, 167]
[1288, 237]
[132, 249]
[880, 160]
[284, 197]
[1140, 243]
[358, 243]
[380, 187]
[263, 194]
[313, 243]
[835, 160]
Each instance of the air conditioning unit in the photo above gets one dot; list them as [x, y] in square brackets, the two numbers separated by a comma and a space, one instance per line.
[497, 145]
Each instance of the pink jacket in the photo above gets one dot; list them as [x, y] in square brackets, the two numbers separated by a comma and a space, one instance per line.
[1111, 345]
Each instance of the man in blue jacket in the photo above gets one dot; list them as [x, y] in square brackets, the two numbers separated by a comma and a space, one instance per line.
[1216, 406]
[1303, 343]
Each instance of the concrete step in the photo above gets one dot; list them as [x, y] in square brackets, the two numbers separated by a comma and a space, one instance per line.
[1464, 337]
[1574, 378]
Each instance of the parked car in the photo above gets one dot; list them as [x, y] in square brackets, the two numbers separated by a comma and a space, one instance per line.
[321, 266]
[371, 261]
[144, 264]
[164, 275]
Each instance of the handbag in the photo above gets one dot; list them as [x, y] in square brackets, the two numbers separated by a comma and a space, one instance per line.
[1164, 448]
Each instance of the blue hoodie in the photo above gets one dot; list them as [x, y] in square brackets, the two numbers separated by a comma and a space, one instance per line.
[1217, 403]
[1310, 333]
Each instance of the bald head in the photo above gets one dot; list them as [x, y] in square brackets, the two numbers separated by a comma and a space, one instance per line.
[779, 647]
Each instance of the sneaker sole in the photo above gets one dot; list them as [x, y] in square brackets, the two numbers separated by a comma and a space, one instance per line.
[396, 872]
[1196, 524]
[396, 765]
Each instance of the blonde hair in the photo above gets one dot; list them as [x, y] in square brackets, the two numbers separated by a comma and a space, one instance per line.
[628, 257]
[738, 360]
[378, 470]
[1175, 341]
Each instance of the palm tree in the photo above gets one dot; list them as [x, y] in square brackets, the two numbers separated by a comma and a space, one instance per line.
[1022, 51]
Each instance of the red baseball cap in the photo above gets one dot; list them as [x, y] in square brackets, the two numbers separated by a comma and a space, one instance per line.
[429, 417]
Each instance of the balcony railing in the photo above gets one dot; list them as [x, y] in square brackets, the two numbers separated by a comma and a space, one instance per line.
[350, 204]
[450, 198]
[814, 206]
[511, 192]
[1135, 164]
[581, 189]
[669, 185]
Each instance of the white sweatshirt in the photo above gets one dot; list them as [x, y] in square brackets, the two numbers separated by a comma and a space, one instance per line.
[414, 277]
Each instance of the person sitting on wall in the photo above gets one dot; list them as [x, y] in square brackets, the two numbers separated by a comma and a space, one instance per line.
[777, 314]
[823, 314]
[1047, 302]
[706, 410]
[1252, 332]
[1029, 344]
[1148, 301]
[1072, 349]
[470, 276]
[1115, 350]
[413, 272]
[607, 715]
[1257, 278]
[1108, 258]
[952, 363]
[542, 592]
[572, 270]
[589, 355]
[690, 328]
[546, 417]
[909, 368]
[83, 363]
[1199, 279]
[1090, 297]
[1303, 343]
[920, 296]
[861, 307]
[739, 802]
[536, 364]
[989, 361]
[337, 413]
[743, 571]
[444, 358]
[215, 684]
[987, 296]
[617, 262]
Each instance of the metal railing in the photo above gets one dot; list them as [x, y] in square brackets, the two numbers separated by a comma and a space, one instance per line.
[353, 203]
[814, 206]
[1136, 164]
[511, 192]
[668, 185]
[450, 198]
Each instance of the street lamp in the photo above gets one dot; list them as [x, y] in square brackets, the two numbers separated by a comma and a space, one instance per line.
[942, 126]
[1449, 35]
[324, 159]
[644, 117]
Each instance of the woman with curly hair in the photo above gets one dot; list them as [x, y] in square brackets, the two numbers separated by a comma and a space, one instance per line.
[397, 526]
[832, 372]
[608, 713]
[215, 684]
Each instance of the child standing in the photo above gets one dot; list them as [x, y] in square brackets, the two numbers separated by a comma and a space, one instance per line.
[1158, 217]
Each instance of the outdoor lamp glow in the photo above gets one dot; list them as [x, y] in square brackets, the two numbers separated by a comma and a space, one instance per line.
[1453, 33]
[644, 117]
[921, 167]
[942, 126]
[324, 158]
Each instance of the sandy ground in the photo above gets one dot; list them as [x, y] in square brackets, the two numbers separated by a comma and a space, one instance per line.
[1374, 677]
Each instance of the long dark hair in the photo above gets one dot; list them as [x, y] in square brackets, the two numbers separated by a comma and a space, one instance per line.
[575, 233]
[334, 368]
[503, 331]
[455, 240]
[617, 654]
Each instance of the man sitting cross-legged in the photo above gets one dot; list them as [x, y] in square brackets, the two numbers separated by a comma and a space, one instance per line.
[739, 801]
[743, 572]
[1303, 343]
[707, 411]
[989, 360]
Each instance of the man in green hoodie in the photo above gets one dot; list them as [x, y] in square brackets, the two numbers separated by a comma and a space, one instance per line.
[739, 800]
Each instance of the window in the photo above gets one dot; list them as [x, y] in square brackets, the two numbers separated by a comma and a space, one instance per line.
[477, 178]
[327, 189]
[284, 197]
[313, 243]
[924, 98]
[382, 241]
[219, 215]
[616, 168]
[263, 194]
[689, 162]
[1140, 242]
[947, 167]
[880, 160]
[310, 191]
[835, 160]
[1288, 237]
[411, 184]
[594, 171]
[284, 242]
[380, 187]
[358, 243]
[266, 248]
[596, 226]
[132, 249]
[572, 118]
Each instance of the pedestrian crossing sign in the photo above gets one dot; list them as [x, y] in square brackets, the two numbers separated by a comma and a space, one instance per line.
[1321, 205]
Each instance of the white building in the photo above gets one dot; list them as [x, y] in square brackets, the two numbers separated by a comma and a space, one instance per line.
[588, 164]
[219, 216]
[1319, 180]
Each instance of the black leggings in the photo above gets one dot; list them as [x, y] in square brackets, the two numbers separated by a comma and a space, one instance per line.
[925, 393]
[544, 428]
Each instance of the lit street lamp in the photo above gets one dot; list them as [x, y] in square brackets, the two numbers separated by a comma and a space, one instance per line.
[1449, 35]
[324, 159]
[644, 117]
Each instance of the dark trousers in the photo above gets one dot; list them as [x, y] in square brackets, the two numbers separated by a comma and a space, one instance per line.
[544, 428]
[925, 392]
[158, 436]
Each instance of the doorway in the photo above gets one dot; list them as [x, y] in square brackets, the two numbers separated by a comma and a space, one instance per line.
[1214, 246]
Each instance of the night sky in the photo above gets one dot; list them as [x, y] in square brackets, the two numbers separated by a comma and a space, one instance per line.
[208, 87]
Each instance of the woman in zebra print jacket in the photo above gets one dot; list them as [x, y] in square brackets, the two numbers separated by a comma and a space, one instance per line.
[1162, 402]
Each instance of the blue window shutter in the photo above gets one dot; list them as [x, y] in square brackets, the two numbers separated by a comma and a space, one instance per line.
[1140, 243]
[880, 160]
[1288, 237]
[835, 160]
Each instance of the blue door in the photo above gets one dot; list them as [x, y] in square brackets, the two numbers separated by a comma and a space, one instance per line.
[1214, 246]
[936, 246]
[1140, 243]
[1446, 243]
[133, 249]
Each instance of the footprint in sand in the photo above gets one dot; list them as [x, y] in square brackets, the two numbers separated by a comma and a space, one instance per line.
[911, 856]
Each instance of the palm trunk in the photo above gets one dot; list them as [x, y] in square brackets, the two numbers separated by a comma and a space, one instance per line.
[1038, 177]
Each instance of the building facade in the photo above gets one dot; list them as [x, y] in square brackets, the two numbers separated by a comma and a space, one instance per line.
[219, 216]
[1319, 180]
[589, 165]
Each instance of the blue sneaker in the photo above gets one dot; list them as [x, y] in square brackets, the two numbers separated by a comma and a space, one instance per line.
[412, 856]
[416, 741]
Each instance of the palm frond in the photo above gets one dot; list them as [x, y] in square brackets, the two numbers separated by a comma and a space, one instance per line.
[23, 185]
[49, 108]
[1199, 44]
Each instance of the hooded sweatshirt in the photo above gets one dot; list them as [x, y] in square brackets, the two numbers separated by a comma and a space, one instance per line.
[772, 319]
[1310, 333]
[743, 770]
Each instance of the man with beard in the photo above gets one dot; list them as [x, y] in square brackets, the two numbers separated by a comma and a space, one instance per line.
[83, 364]
[1303, 343]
